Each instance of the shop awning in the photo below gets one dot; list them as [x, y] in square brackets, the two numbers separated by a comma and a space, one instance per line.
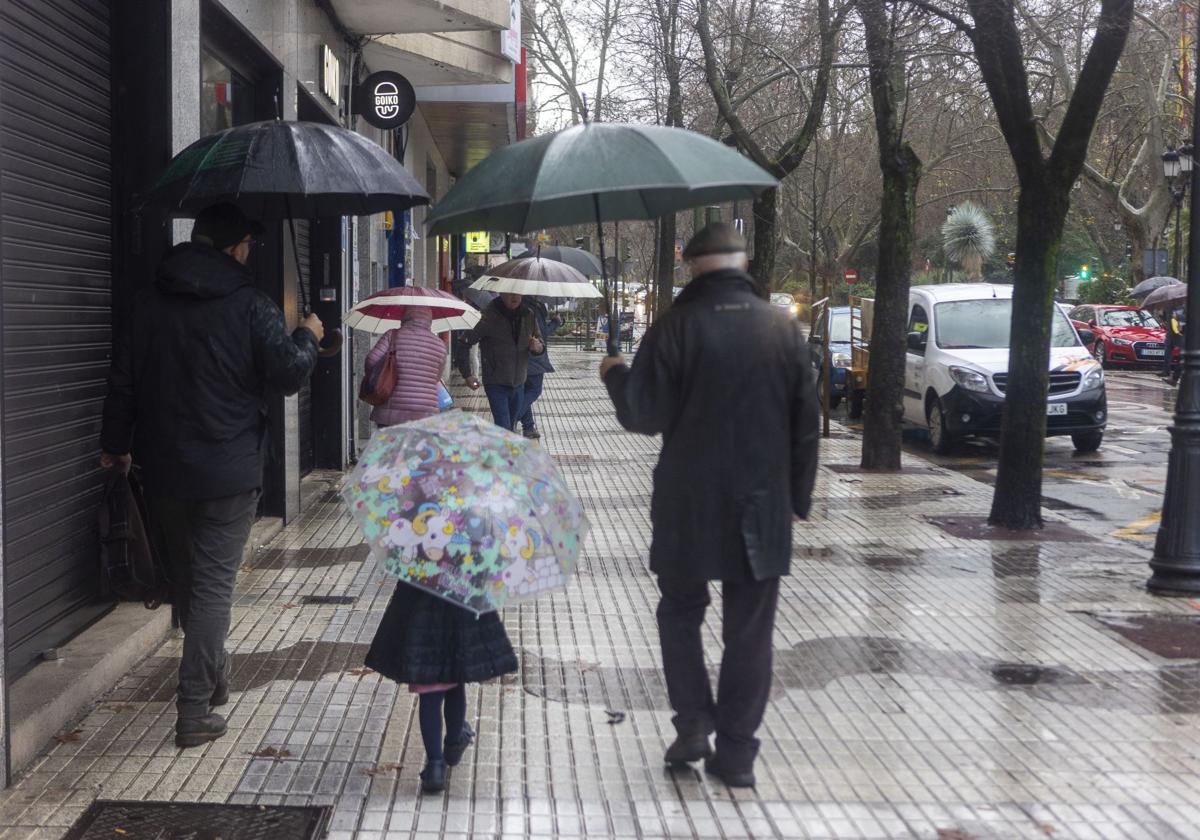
[380, 17]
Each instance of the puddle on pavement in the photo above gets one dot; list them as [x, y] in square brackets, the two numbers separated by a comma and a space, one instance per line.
[1015, 673]
[977, 528]
[1017, 570]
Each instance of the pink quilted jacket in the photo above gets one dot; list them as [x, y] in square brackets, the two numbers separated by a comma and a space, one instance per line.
[419, 358]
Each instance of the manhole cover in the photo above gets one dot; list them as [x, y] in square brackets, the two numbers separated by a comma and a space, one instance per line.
[337, 600]
[106, 820]
[1169, 636]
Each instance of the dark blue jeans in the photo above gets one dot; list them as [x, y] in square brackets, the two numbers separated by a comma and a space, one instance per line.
[507, 403]
[533, 390]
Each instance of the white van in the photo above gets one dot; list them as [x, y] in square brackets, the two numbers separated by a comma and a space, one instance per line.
[958, 337]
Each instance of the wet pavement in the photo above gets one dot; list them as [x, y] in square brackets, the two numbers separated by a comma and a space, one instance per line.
[932, 680]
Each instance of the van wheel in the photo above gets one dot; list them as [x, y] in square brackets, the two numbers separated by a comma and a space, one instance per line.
[856, 405]
[940, 437]
[1100, 353]
[1086, 442]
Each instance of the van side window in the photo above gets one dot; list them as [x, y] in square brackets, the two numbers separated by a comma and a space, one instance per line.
[918, 322]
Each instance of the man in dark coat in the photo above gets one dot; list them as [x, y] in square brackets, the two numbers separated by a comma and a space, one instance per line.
[202, 350]
[726, 379]
[539, 365]
[506, 334]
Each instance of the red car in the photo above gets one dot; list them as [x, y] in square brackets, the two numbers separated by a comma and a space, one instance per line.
[1125, 335]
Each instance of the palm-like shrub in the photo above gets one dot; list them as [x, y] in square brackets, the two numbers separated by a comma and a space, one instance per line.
[968, 238]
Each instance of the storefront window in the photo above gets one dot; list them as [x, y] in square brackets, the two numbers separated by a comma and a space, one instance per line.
[226, 97]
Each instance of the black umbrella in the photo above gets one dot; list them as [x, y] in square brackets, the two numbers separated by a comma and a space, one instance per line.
[1143, 289]
[287, 170]
[582, 261]
[284, 170]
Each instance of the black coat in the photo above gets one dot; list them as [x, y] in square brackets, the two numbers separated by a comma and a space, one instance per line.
[423, 639]
[503, 338]
[191, 373]
[726, 378]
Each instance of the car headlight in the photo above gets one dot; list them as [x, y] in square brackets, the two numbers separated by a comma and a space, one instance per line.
[1094, 378]
[794, 309]
[841, 360]
[970, 379]
[1123, 342]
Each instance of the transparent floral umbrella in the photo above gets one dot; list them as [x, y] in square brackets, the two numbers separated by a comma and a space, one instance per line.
[467, 511]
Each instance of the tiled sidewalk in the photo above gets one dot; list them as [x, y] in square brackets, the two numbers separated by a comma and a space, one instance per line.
[926, 686]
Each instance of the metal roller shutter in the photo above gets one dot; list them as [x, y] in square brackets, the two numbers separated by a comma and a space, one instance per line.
[308, 445]
[55, 271]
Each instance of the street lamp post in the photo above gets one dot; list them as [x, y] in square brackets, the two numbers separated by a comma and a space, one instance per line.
[1176, 563]
[1177, 167]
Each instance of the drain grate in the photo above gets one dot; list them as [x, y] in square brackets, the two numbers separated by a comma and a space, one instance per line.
[335, 600]
[1169, 636]
[198, 821]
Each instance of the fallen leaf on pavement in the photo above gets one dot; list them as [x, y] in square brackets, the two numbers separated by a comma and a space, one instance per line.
[954, 834]
[382, 768]
[271, 752]
[65, 737]
[289, 606]
[615, 717]
[360, 672]
[1046, 828]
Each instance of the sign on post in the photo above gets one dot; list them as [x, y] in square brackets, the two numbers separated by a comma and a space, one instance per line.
[385, 99]
[851, 275]
[478, 242]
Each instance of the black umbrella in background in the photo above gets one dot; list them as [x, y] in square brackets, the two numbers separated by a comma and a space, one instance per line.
[582, 261]
[286, 170]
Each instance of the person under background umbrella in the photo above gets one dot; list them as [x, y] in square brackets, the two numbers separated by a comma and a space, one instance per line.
[537, 278]
[1142, 290]
[507, 336]
[417, 357]
[1173, 318]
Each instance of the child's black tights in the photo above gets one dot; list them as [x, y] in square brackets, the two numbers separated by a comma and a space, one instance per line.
[454, 701]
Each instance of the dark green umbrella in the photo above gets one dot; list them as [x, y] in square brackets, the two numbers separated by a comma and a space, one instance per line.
[596, 172]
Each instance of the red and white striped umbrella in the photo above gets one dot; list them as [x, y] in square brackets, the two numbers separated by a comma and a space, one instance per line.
[384, 310]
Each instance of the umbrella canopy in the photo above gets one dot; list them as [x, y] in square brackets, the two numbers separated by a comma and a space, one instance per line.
[277, 169]
[596, 171]
[1166, 296]
[385, 310]
[534, 276]
[582, 261]
[1148, 285]
[467, 511]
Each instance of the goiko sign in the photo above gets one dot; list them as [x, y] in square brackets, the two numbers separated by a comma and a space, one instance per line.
[385, 99]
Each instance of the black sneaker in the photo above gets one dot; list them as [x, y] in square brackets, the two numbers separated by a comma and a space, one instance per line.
[532, 433]
[220, 695]
[732, 777]
[453, 750]
[688, 748]
[433, 777]
[197, 731]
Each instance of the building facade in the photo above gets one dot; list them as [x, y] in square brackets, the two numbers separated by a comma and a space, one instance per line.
[95, 98]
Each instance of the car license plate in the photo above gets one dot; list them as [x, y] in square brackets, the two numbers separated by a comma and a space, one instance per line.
[1154, 352]
[1056, 409]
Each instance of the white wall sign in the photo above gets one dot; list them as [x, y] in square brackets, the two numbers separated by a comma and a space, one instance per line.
[510, 39]
[331, 75]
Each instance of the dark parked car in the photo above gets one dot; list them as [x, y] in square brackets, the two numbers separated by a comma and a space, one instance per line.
[837, 321]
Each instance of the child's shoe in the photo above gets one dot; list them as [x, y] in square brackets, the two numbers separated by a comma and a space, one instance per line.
[433, 777]
[453, 750]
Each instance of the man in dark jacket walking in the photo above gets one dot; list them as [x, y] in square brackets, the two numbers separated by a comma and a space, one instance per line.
[506, 334]
[725, 378]
[539, 365]
[187, 396]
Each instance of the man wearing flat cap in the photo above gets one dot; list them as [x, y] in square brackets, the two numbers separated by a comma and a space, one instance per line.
[726, 379]
[200, 352]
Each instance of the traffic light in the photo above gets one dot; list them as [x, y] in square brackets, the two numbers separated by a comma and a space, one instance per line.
[1084, 272]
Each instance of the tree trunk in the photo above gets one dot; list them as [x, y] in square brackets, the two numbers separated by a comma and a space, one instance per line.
[901, 170]
[885, 380]
[1017, 501]
[765, 214]
[664, 286]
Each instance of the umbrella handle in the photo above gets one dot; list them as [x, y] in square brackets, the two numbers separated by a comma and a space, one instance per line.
[332, 343]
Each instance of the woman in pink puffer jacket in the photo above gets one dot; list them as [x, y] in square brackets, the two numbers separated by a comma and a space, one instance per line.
[420, 356]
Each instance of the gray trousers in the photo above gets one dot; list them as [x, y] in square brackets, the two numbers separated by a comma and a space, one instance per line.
[744, 686]
[201, 542]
